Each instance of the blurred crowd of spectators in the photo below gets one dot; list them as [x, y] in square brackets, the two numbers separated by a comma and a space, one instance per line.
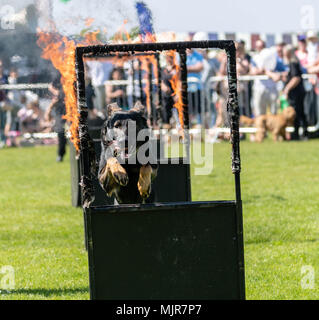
[283, 65]
[20, 111]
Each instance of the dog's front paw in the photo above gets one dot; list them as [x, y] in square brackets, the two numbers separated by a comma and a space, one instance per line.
[118, 172]
[103, 177]
[144, 190]
[144, 181]
[121, 177]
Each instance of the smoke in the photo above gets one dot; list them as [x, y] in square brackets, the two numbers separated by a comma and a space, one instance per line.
[107, 15]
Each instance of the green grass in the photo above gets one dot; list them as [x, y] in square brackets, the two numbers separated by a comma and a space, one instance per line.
[280, 192]
[41, 234]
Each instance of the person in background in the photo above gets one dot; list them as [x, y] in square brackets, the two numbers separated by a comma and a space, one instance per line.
[243, 68]
[3, 80]
[277, 73]
[294, 90]
[30, 117]
[249, 84]
[116, 93]
[205, 74]
[221, 89]
[214, 65]
[310, 101]
[167, 91]
[14, 95]
[16, 101]
[260, 46]
[265, 92]
[95, 118]
[312, 48]
[99, 72]
[195, 66]
[89, 93]
[4, 107]
[302, 53]
[313, 68]
[206, 89]
[132, 88]
[57, 105]
[280, 63]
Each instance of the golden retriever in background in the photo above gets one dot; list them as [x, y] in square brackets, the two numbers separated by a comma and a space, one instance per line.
[275, 123]
[246, 121]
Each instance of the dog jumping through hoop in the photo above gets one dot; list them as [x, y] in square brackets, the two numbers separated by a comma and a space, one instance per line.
[130, 182]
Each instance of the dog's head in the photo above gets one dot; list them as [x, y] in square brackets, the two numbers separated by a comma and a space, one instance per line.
[119, 127]
[289, 113]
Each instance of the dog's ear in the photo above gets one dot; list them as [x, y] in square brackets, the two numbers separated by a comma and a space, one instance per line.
[138, 108]
[112, 108]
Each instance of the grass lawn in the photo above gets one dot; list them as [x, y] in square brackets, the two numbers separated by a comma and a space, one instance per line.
[41, 234]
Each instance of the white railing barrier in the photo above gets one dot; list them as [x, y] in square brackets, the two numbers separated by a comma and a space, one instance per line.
[32, 86]
[24, 86]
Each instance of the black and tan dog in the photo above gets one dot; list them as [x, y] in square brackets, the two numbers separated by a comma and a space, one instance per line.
[129, 182]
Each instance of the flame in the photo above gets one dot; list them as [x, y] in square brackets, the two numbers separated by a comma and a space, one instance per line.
[149, 37]
[61, 52]
[175, 80]
[91, 38]
[88, 22]
[177, 87]
[119, 34]
[145, 62]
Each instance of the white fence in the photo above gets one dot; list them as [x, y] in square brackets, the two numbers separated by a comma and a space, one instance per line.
[206, 98]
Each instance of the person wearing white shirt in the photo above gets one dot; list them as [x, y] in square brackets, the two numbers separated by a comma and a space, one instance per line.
[312, 47]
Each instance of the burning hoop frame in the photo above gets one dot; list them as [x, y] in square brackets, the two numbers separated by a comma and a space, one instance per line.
[86, 146]
[227, 277]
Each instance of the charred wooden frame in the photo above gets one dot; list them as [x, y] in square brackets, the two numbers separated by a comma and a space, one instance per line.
[87, 156]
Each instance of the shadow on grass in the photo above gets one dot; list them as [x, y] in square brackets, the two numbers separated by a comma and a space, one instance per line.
[259, 198]
[279, 242]
[278, 197]
[49, 292]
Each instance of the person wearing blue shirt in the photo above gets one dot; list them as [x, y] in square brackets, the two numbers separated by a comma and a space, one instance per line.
[266, 91]
[194, 68]
[280, 64]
